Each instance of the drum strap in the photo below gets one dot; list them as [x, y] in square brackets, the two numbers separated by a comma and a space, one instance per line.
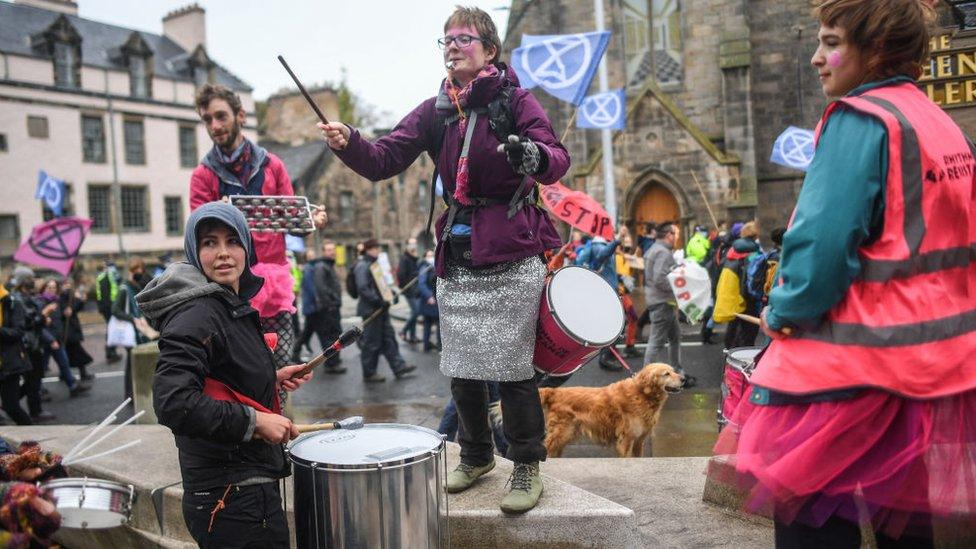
[218, 508]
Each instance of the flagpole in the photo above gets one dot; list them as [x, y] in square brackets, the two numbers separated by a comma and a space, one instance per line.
[572, 120]
[609, 182]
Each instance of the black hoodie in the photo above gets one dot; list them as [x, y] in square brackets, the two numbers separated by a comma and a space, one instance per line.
[206, 330]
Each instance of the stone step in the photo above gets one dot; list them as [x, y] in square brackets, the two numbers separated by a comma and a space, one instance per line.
[566, 516]
[666, 496]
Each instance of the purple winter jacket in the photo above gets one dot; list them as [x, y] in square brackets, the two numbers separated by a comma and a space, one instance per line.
[494, 237]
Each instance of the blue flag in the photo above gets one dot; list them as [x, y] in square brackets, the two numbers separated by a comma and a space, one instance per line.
[601, 111]
[562, 64]
[793, 149]
[51, 191]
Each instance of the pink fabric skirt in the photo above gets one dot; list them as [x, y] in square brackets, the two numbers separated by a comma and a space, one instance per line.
[278, 293]
[879, 457]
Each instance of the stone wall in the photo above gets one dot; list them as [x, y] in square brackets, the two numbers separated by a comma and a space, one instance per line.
[290, 120]
[785, 91]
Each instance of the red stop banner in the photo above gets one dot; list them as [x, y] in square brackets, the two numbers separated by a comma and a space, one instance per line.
[578, 209]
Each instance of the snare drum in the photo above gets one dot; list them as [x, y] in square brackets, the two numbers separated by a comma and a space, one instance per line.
[91, 504]
[739, 364]
[579, 315]
[381, 486]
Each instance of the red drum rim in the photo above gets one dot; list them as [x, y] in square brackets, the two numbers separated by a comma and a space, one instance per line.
[566, 330]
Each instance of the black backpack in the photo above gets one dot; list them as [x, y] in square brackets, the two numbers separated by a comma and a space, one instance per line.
[351, 288]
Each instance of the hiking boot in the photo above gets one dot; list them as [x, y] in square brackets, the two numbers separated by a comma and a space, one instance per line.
[78, 389]
[334, 369]
[374, 378]
[526, 483]
[461, 478]
[406, 369]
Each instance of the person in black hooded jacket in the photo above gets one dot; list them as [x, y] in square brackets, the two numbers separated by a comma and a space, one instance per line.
[216, 386]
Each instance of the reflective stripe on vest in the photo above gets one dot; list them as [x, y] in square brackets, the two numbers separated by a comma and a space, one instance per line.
[112, 284]
[909, 318]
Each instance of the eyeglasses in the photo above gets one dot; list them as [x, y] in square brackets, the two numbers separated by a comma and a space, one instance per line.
[462, 41]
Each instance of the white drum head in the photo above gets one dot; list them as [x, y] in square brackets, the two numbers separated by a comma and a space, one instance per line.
[585, 306]
[374, 443]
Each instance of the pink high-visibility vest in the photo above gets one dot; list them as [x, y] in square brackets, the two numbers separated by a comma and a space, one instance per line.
[908, 322]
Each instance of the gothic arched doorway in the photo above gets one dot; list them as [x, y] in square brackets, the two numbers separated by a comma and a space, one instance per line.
[656, 203]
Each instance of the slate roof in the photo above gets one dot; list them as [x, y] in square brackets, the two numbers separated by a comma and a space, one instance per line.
[304, 162]
[19, 22]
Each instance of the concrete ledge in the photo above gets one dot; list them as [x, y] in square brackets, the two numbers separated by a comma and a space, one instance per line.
[567, 516]
[665, 494]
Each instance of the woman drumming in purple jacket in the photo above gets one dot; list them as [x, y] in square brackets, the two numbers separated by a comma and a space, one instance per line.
[490, 274]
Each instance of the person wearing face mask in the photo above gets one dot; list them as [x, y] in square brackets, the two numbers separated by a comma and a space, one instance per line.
[491, 239]
[53, 336]
[216, 386]
[863, 405]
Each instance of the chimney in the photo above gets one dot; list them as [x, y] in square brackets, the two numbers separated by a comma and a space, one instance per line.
[60, 6]
[187, 27]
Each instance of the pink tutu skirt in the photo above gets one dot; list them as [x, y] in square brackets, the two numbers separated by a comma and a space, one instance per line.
[278, 293]
[877, 457]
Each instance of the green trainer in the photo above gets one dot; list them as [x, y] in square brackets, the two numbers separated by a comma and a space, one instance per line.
[526, 485]
[461, 478]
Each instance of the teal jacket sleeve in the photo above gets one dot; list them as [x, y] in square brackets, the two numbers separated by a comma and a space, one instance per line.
[840, 207]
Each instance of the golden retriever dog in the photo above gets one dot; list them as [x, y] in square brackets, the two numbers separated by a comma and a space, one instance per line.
[621, 415]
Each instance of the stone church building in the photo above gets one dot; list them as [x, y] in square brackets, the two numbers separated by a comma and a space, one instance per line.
[710, 85]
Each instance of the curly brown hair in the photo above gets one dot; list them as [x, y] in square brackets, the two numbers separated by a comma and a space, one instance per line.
[482, 22]
[893, 34]
[209, 92]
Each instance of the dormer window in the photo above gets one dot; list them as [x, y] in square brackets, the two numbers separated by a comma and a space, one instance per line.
[201, 67]
[137, 57]
[63, 44]
[139, 80]
[65, 65]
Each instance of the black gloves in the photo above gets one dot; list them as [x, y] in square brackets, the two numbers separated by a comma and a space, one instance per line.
[525, 157]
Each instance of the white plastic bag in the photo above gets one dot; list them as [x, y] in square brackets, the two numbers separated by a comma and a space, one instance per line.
[692, 289]
[120, 333]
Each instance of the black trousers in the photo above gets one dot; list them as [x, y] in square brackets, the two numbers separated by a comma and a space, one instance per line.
[311, 321]
[10, 399]
[32, 383]
[329, 328]
[379, 338]
[838, 533]
[252, 517]
[740, 334]
[524, 422]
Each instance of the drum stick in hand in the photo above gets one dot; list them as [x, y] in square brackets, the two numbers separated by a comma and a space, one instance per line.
[355, 422]
[301, 88]
[755, 320]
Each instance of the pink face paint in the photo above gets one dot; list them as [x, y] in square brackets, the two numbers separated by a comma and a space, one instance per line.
[834, 59]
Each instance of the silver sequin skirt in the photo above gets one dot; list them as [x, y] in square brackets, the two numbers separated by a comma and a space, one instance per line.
[488, 319]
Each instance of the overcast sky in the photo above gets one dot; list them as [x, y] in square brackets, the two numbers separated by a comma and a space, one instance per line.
[388, 47]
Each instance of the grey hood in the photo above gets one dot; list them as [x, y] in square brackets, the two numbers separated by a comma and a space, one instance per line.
[184, 281]
[179, 283]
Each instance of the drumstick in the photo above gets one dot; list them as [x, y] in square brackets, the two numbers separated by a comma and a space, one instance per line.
[755, 320]
[103, 454]
[350, 423]
[108, 419]
[108, 434]
[347, 338]
[301, 88]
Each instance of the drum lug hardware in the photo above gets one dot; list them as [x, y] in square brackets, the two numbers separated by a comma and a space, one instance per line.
[81, 498]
